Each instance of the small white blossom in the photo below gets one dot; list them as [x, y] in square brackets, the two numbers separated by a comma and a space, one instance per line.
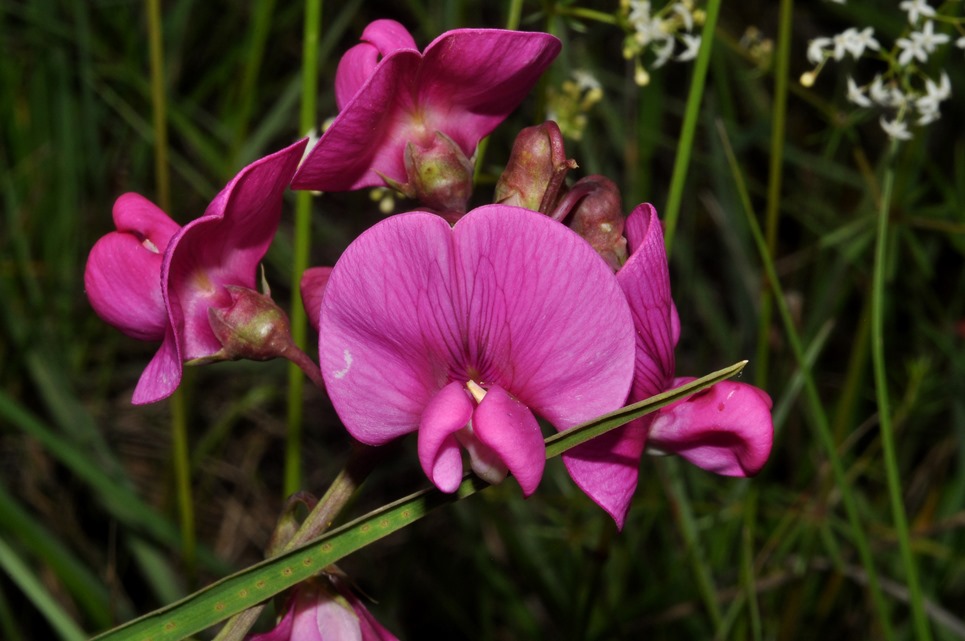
[585, 80]
[856, 41]
[693, 46]
[816, 50]
[916, 8]
[685, 15]
[856, 95]
[896, 129]
[960, 43]
[663, 51]
[921, 44]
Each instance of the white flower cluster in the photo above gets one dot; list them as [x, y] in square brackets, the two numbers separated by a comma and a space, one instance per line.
[904, 91]
[660, 31]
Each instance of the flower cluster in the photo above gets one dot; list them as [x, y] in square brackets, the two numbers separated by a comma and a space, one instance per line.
[462, 327]
[668, 31]
[904, 92]
[568, 106]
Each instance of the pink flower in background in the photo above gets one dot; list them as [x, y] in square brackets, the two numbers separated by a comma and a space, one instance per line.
[155, 281]
[726, 429]
[463, 333]
[389, 95]
[316, 612]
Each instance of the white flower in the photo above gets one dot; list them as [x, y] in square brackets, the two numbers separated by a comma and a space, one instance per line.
[930, 39]
[855, 94]
[585, 80]
[684, 14]
[879, 94]
[856, 41]
[693, 46]
[896, 129]
[935, 93]
[921, 44]
[663, 50]
[960, 43]
[916, 8]
[816, 50]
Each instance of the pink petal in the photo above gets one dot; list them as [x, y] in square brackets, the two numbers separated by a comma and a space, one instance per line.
[162, 375]
[448, 412]
[313, 283]
[123, 282]
[368, 137]
[136, 214]
[122, 277]
[509, 428]
[606, 468]
[471, 79]
[645, 279]
[726, 429]
[379, 39]
[545, 318]
[387, 326]
[224, 247]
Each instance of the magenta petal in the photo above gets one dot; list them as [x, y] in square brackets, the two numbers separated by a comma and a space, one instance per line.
[162, 375]
[509, 428]
[545, 318]
[368, 137]
[123, 282]
[136, 214]
[607, 468]
[645, 279]
[314, 280]
[471, 79]
[448, 412]
[387, 326]
[356, 66]
[224, 247]
[726, 429]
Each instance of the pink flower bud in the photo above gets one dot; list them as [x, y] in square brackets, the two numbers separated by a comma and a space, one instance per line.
[537, 167]
[252, 326]
[439, 175]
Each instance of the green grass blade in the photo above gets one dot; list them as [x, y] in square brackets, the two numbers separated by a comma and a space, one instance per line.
[249, 587]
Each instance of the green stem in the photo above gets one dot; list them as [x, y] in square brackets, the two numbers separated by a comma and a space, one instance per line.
[922, 629]
[588, 14]
[781, 63]
[340, 492]
[302, 244]
[819, 418]
[515, 14]
[162, 176]
[691, 113]
[179, 421]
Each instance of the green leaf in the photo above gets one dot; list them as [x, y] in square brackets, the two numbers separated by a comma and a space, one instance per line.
[262, 581]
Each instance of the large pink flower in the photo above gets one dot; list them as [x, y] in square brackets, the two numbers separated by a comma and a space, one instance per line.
[726, 429]
[155, 281]
[462, 333]
[465, 83]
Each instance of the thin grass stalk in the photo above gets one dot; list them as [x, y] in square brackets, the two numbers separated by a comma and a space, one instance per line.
[775, 174]
[819, 417]
[692, 112]
[301, 245]
[514, 15]
[922, 629]
[684, 516]
[178, 405]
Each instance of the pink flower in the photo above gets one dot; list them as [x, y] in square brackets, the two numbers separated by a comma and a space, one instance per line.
[156, 281]
[726, 429]
[316, 612]
[462, 333]
[465, 83]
